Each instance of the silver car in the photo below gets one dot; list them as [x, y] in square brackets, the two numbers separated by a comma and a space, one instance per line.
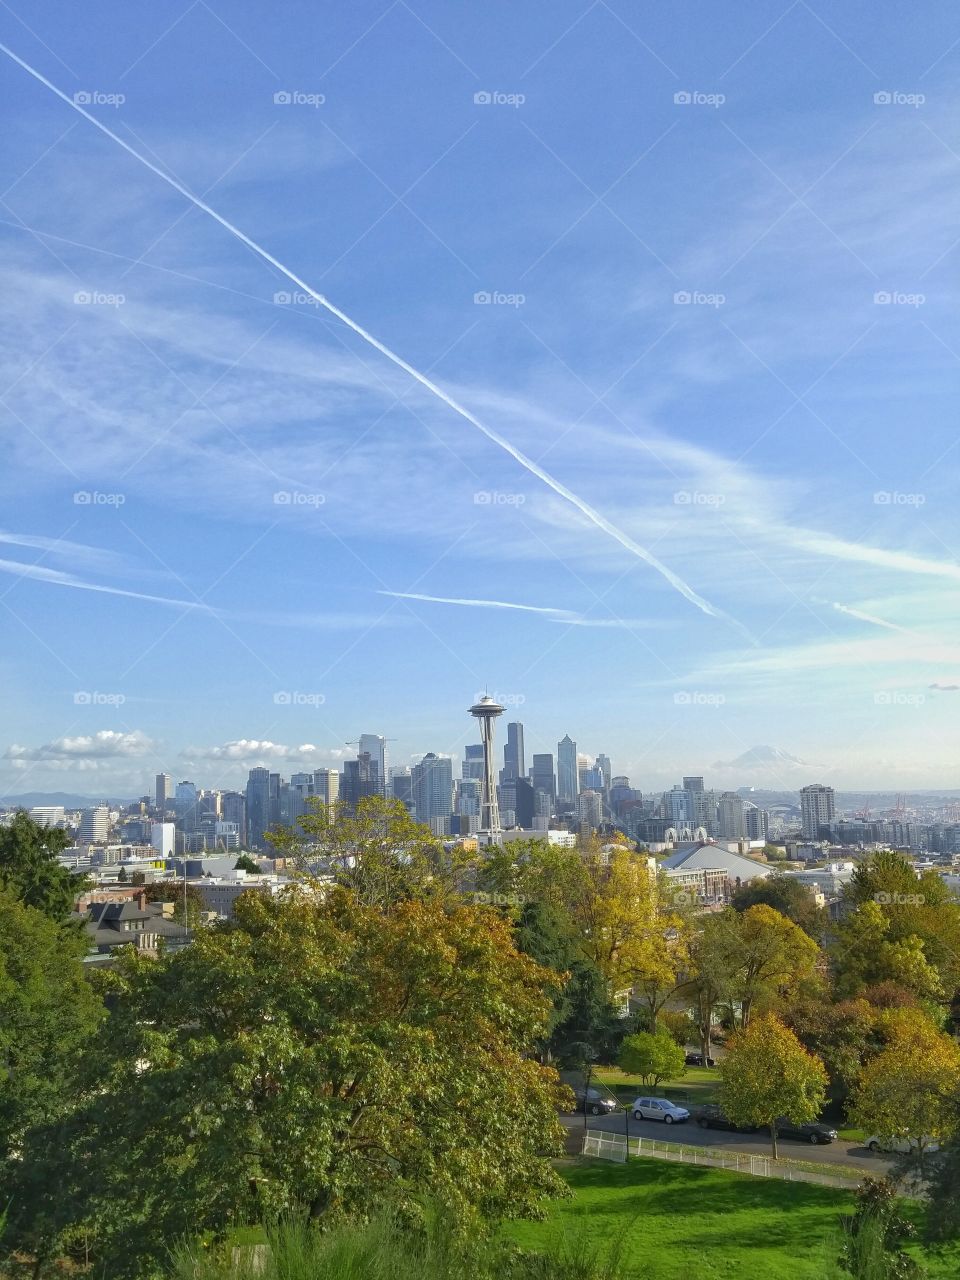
[659, 1109]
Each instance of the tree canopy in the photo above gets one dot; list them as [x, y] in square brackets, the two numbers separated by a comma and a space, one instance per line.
[29, 869]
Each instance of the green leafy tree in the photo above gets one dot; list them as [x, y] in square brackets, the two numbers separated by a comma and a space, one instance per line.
[29, 868]
[786, 895]
[588, 1018]
[869, 949]
[48, 1014]
[318, 1052]
[908, 1090]
[653, 1056]
[767, 1073]
[174, 891]
[246, 863]
[843, 1034]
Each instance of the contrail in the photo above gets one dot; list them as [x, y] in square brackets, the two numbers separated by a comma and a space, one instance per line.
[528, 464]
[869, 617]
[60, 579]
[561, 615]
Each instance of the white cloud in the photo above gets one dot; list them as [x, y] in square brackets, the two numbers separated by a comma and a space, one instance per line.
[107, 744]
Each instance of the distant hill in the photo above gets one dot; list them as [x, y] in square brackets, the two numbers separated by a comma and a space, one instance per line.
[35, 799]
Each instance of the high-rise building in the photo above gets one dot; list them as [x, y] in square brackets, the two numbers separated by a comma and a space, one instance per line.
[589, 808]
[360, 778]
[680, 807]
[472, 766]
[163, 839]
[816, 809]
[233, 809]
[401, 787]
[693, 784]
[432, 783]
[258, 807]
[567, 781]
[756, 821]
[185, 804]
[94, 825]
[730, 816]
[542, 775]
[326, 785]
[376, 748]
[606, 771]
[164, 792]
[514, 765]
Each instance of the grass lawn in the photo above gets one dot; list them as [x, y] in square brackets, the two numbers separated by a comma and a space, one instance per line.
[697, 1084]
[678, 1222]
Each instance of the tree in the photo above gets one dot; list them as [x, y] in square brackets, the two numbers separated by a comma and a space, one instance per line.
[653, 1056]
[766, 1074]
[246, 863]
[908, 1090]
[176, 892]
[317, 1052]
[770, 956]
[48, 1013]
[844, 1035]
[29, 868]
[868, 950]
[786, 895]
[587, 1017]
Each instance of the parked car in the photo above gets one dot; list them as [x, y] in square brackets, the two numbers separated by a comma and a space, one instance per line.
[711, 1117]
[597, 1102]
[659, 1109]
[900, 1145]
[813, 1133]
[696, 1060]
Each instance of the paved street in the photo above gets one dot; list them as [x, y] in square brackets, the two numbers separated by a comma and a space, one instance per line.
[754, 1144]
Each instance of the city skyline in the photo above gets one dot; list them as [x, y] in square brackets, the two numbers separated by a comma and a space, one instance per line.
[710, 501]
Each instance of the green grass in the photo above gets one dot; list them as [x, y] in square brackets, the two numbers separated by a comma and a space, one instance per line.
[697, 1084]
[677, 1222]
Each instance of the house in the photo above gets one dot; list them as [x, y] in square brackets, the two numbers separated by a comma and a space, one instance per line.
[110, 925]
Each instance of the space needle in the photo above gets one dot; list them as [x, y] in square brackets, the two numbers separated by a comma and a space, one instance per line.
[486, 711]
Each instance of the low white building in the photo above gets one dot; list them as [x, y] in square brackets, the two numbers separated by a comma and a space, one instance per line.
[220, 893]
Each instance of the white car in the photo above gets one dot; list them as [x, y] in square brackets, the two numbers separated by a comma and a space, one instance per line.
[659, 1109]
[900, 1145]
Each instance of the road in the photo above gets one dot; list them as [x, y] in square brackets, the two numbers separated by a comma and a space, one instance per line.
[842, 1151]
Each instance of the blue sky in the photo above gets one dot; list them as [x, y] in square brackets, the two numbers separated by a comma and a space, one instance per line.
[719, 248]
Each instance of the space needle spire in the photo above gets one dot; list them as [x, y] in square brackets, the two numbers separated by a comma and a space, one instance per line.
[486, 712]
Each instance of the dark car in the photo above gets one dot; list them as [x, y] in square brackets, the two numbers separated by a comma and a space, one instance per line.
[696, 1060]
[596, 1102]
[711, 1117]
[814, 1133]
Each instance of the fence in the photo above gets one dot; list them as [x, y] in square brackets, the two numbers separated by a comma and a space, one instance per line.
[613, 1146]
